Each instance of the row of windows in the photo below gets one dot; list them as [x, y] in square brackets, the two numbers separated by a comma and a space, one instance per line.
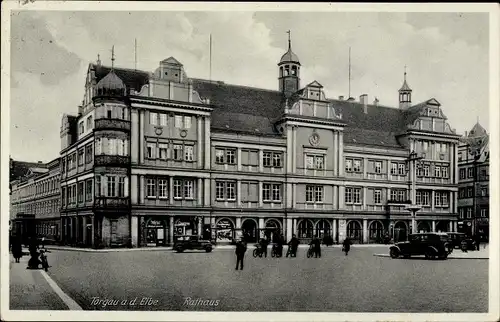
[47, 230]
[83, 154]
[166, 151]
[467, 173]
[38, 208]
[356, 165]
[109, 146]
[181, 122]
[106, 186]
[89, 123]
[466, 213]
[158, 188]
[468, 192]
[269, 158]
[440, 171]
[50, 185]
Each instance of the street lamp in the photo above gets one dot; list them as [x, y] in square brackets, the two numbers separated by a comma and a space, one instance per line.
[413, 207]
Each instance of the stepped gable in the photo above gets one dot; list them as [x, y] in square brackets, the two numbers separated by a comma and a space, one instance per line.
[133, 79]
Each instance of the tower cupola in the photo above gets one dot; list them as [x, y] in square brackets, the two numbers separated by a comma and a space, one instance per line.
[289, 71]
[111, 84]
[405, 94]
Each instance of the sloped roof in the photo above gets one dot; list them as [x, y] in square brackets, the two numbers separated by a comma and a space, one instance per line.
[477, 131]
[289, 56]
[405, 87]
[134, 79]
[111, 81]
[19, 169]
[171, 60]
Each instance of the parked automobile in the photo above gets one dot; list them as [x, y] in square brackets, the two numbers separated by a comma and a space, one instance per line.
[431, 245]
[190, 242]
[456, 240]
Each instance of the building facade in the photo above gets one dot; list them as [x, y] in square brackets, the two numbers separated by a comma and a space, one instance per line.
[473, 190]
[154, 156]
[37, 193]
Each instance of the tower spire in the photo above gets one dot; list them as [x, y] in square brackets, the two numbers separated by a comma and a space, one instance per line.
[113, 57]
[289, 39]
[405, 74]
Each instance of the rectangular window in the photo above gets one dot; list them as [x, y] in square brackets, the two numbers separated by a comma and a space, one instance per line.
[377, 196]
[394, 169]
[469, 192]
[163, 148]
[276, 192]
[119, 143]
[112, 146]
[88, 190]
[461, 213]
[80, 128]
[484, 212]
[318, 193]
[188, 189]
[378, 167]
[437, 171]
[63, 196]
[426, 170]
[231, 156]
[81, 157]
[357, 166]
[90, 123]
[178, 121]
[470, 172]
[88, 153]
[231, 190]
[188, 153]
[402, 169]
[187, 122]
[469, 213]
[163, 188]
[98, 146]
[266, 159]
[153, 118]
[178, 189]
[219, 190]
[98, 186]
[348, 195]
[277, 160]
[462, 173]
[444, 172]
[151, 188]
[357, 195]
[348, 165]
[309, 193]
[80, 191]
[111, 186]
[178, 152]
[266, 192]
[121, 186]
[219, 156]
[151, 148]
[163, 119]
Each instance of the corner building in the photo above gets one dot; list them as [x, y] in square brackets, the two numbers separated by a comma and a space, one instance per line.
[154, 156]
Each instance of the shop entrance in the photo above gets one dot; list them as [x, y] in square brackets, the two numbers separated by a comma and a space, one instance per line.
[249, 230]
[272, 231]
[156, 232]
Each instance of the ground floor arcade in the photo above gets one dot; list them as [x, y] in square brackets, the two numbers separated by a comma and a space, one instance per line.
[151, 230]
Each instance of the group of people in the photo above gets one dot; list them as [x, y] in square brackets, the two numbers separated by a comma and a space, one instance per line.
[37, 255]
[293, 245]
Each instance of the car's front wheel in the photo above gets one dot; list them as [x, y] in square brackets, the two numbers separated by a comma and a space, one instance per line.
[394, 253]
[179, 249]
[208, 249]
[430, 254]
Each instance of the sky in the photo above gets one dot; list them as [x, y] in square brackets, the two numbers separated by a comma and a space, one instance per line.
[446, 55]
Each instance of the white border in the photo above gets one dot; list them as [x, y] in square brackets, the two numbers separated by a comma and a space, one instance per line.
[8, 6]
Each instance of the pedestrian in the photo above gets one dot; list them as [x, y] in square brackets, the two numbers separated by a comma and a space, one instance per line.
[463, 245]
[279, 245]
[33, 249]
[241, 248]
[263, 244]
[17, 248]
[346, 245]
[293, 244]
[478, 241]
[317, 247]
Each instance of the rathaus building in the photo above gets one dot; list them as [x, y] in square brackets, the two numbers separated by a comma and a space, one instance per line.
[153, 156]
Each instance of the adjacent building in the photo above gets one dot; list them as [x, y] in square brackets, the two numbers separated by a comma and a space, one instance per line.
[473, 189]
[35, 193]
[153, 156]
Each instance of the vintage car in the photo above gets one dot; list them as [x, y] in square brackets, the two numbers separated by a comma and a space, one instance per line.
[457, 238]
[191, 242]
[432, 245]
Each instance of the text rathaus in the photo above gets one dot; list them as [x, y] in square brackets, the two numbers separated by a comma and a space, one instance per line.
[154, 156]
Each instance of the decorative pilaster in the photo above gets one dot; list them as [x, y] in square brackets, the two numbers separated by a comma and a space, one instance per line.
[294, 149]
[206, 187]
[199, 194]
[335, 153]
[261, 202]
[141, 136]
[141, 189]
[171, 190]
[208, 148]
[433, 226]
[365, 231]
[199, 143]
[341, 154]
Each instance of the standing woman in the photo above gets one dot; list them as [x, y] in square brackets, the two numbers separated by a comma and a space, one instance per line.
[346, 245]
[17, 248]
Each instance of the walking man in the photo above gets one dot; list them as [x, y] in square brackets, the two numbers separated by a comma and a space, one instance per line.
[293, 244]
[241, 248]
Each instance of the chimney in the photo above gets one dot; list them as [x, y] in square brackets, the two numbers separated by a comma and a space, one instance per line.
[341, 97]
[363, 99]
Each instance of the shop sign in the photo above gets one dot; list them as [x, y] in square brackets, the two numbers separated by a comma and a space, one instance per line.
[155, 223]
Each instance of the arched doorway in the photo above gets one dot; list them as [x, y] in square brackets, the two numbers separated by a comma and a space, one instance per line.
[400, 232]
[423, 227]
[323, 228]
[443, 226]
[249, 230]
[376, 232]
[354, 231]
[305, 229]
[224, 230]
[156, 232]
[273, 230]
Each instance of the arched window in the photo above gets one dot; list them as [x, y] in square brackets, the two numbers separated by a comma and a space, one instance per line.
[294, 70]
[354, 231]
[305, 229]
[322, 228]
[376, 232]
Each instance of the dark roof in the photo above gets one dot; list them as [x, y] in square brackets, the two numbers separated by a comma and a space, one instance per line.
[243, 109]
[405, 87]
[111, 81]
[19, 169]
[134, 79]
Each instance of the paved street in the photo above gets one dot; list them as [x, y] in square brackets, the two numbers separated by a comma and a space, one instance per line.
[360, 282]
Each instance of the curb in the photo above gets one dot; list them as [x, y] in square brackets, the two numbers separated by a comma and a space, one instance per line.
[449, 257]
